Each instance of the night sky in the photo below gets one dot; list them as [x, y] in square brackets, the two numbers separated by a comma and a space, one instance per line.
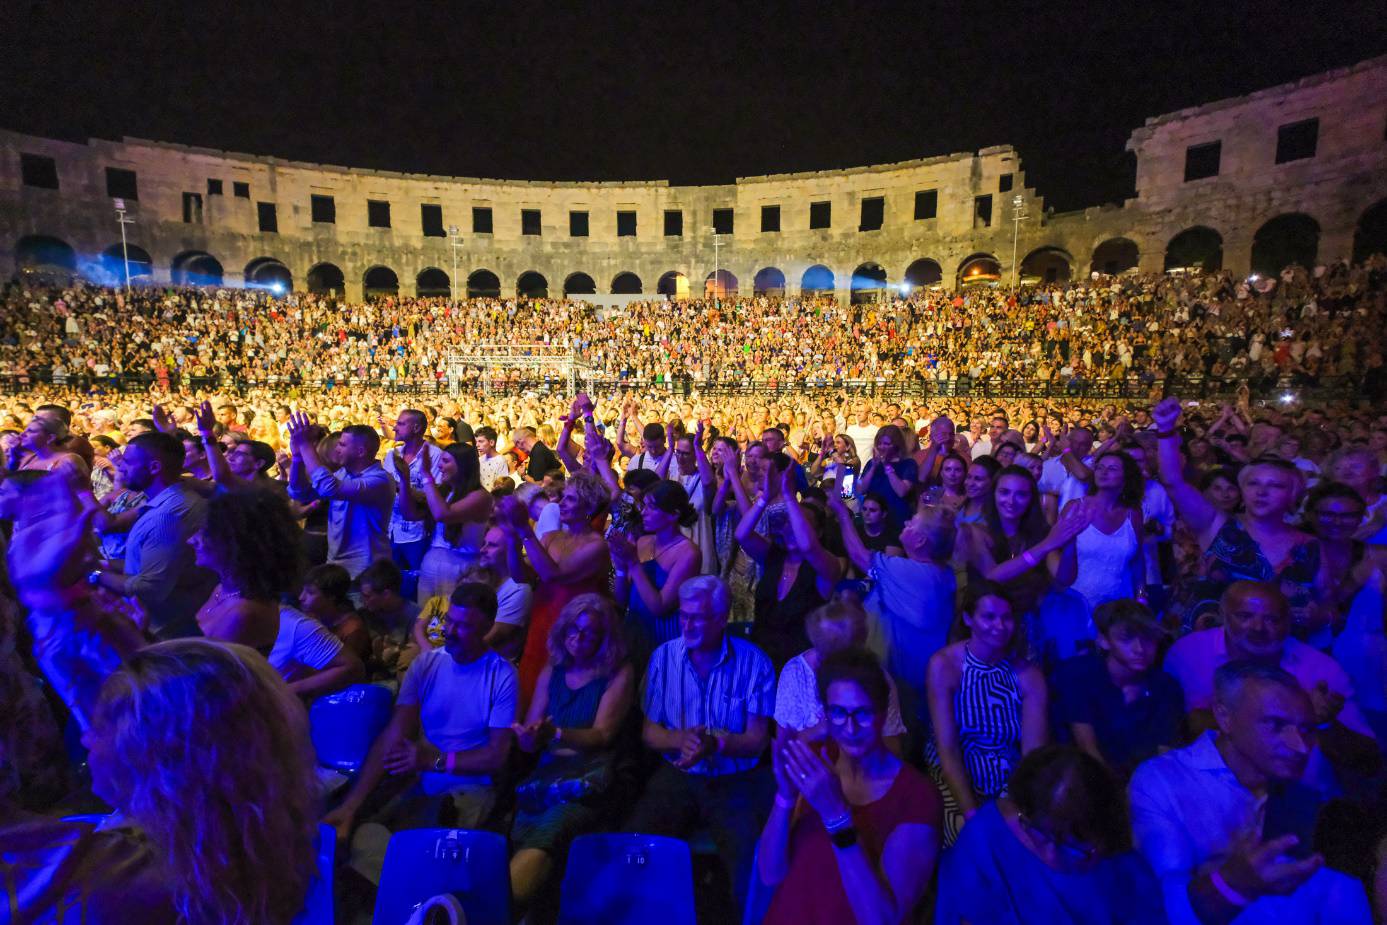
[696, 93]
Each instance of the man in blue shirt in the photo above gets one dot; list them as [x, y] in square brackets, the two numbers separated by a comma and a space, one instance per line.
[708, 700]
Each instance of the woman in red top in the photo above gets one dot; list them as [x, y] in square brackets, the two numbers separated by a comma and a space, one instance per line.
[853, 835]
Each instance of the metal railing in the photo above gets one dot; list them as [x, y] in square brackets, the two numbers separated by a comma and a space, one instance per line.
[1132, 389]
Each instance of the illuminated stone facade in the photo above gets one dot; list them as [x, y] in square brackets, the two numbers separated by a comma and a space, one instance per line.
[1315, 150]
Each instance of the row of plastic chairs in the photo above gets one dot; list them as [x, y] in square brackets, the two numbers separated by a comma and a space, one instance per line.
[612, 879]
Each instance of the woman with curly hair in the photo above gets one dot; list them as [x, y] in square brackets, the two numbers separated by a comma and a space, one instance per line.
[567, 562]
[581, 705]
[205, 755]
[251, 542]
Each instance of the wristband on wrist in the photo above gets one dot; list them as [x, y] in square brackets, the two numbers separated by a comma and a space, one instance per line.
[1226, 891]
[784, 802]
[840, 822]
[1029, 558]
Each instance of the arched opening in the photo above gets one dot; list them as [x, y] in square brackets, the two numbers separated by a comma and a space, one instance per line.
[769, 281]
[114, 258]
[483, 284]
[1047, 265]
[41, 254]
[720, 284]
[673, 284]
[1114, 256]
[579, 284]
[269, 273]
[380, 282]
[817, 278]
[868, 283]
[432, 283]
[1370, 237]
[327, 279]
[626, 284]
[979, 270]
[924, 273]
[1197, 248]
[1284, 240]
[532, 285]
[196, 268]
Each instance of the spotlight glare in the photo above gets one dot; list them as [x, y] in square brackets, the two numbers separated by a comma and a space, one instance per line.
[1287, 398]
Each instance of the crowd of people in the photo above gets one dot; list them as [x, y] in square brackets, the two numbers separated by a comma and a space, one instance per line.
[949, 660]
[1140, 328]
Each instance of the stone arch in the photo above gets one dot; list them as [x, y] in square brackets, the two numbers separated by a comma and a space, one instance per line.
[269, 273]
[433, 283]
[1198, 247]
[626, 283]
[1292, 237]
[1114, 256]
[579, 284]
[769, 281]
[327, 279]
[1049, 264]
[817, 278]
[979, 268]
[196, 268]
[868, 282]
[720, 284]
[1370, 234]
[114, 257]
[673, 284]
[42, 252]
[532, 285]
[380, 281]
[483, 284]
[924, 272]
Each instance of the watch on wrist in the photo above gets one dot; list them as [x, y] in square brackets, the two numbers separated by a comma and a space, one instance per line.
[94, 577]
[440, 764]
[844, 837]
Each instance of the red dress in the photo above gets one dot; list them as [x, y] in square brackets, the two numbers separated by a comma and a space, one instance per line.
[550, 598]
[812, 891]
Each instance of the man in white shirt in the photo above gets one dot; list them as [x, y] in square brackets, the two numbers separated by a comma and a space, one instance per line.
[862, 433]
[492, 465]
[653, 449]
[408, 540]
[1058, 482]
[513, 599]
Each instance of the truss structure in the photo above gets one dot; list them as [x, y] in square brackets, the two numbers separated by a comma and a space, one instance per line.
[493, 363]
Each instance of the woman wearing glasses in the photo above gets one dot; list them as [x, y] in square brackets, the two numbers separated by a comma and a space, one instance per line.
[1057, 849]
[853, 834]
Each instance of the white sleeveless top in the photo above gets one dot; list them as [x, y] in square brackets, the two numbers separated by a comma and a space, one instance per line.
[1105, 563]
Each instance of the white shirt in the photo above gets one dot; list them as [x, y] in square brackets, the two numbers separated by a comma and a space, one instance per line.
[492, 469]
[303, 645]
[862, 436]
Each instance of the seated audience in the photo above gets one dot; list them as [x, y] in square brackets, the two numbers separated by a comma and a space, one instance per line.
[388, 614]
[326, 597]
[852, 836]
[650, 570]
[1057, 849]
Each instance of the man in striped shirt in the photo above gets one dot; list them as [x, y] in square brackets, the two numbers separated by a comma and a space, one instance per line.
[708, 699]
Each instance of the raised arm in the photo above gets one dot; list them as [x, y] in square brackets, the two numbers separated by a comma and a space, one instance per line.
[857, 551]
[826, 565]
[1194, 509]
[756, 545]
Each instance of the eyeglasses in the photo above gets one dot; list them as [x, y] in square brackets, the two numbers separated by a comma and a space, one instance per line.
[574, 631]
[1073, 851]
[839, 716]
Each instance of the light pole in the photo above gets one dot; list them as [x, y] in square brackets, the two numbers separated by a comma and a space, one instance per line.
[123, 220]
[1018, 215]
[717, 269]
[455, 242]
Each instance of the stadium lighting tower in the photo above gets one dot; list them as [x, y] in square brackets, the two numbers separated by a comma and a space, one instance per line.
[455, 242]
[1018, 215]
[123, 220]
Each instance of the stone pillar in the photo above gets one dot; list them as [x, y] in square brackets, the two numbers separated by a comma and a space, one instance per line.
[1335, 244]
[354, 289]
[844, 297]
[233, 280]
[1237, 255]
[508, 288]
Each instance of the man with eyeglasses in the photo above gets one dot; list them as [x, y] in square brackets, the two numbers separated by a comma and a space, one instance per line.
[708, 700]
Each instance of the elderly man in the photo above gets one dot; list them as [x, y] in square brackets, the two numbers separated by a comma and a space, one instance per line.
[708, 700]
[1210, 818]
[360, 494]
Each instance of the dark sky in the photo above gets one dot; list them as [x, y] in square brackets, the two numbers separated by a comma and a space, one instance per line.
[687, 92]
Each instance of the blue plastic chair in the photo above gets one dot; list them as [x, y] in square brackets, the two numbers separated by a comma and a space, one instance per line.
[627, 880]
[317, 905]
[345, 724]
[421, 863]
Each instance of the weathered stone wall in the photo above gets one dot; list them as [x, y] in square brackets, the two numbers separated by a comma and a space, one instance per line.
[1347, 174]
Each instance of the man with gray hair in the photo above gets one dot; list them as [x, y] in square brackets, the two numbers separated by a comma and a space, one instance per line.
[1211, 818]
[708, 700]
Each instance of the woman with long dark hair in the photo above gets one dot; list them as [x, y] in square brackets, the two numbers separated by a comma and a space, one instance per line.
[1110, 563]
[458, 508]
[650, 570]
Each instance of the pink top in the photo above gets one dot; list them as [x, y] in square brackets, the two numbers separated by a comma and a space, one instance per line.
[1193, 660]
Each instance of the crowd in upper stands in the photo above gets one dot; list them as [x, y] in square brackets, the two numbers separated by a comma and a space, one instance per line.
[1104, 328]
[959, 661]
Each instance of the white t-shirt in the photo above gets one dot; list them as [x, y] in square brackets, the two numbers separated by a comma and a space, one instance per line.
[493, 470]
[548, 520]
[644, 460]
[1057, 480]
[513, 601]
[797, 704]
[862, 436]
[459, 705]
[303, 646]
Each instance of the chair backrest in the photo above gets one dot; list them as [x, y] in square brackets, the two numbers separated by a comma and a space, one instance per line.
[419, 863]
[317, 905]
[343, 725]
[627, 880]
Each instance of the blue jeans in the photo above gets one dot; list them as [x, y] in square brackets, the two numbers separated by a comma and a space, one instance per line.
[408, 556]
